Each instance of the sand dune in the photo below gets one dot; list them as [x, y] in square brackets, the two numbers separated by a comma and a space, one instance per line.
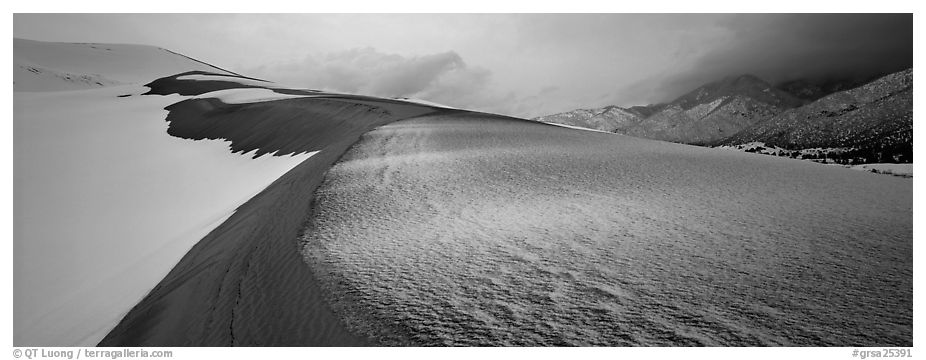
[167, 181]
[107, 202]
[245, 284]
[52, 66]
[439, 227]
[474, 230]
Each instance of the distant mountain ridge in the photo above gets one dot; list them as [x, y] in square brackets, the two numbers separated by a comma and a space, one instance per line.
[874, 118]
[709, 113]
[811, 90]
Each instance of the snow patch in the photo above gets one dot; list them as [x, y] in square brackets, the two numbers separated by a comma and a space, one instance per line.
[119, 63]
[249, 95]
[425, 102]
[106, 203]
[714, 104]
[236, 79]
[43, 79]
[577, 127]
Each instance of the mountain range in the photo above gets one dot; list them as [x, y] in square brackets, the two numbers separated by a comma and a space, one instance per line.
[867, 122]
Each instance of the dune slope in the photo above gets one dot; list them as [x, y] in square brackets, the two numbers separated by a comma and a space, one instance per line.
[54, 66]
[472, 230]
[111, 191]
[106, 202]
[245, 284]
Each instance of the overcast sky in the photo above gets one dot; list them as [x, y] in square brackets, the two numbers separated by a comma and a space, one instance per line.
[523, 65]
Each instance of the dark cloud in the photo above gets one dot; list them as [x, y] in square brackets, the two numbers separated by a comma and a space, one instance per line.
[783, 47]
[549, 90]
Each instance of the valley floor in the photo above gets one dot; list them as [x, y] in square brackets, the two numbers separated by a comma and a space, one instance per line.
[904, 170]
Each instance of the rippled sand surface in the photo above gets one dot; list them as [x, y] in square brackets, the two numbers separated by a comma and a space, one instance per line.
[473, 231]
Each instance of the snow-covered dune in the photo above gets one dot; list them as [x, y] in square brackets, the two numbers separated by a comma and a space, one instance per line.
[53, 66]
[107, 203]
[476, 230]
[424, 102]
[113, 187]
[246, 283]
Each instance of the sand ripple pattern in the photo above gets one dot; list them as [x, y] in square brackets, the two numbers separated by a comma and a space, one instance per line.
[466, 231]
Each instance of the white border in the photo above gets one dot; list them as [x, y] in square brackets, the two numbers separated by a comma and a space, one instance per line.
[373, 6]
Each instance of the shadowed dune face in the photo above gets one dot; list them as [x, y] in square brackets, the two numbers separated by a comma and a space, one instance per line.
[279, 127]
[461, 230]
[244, 284]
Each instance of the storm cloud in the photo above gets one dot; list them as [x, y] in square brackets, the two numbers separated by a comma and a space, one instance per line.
[516, 64]
[440, 76]
[814, 47]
